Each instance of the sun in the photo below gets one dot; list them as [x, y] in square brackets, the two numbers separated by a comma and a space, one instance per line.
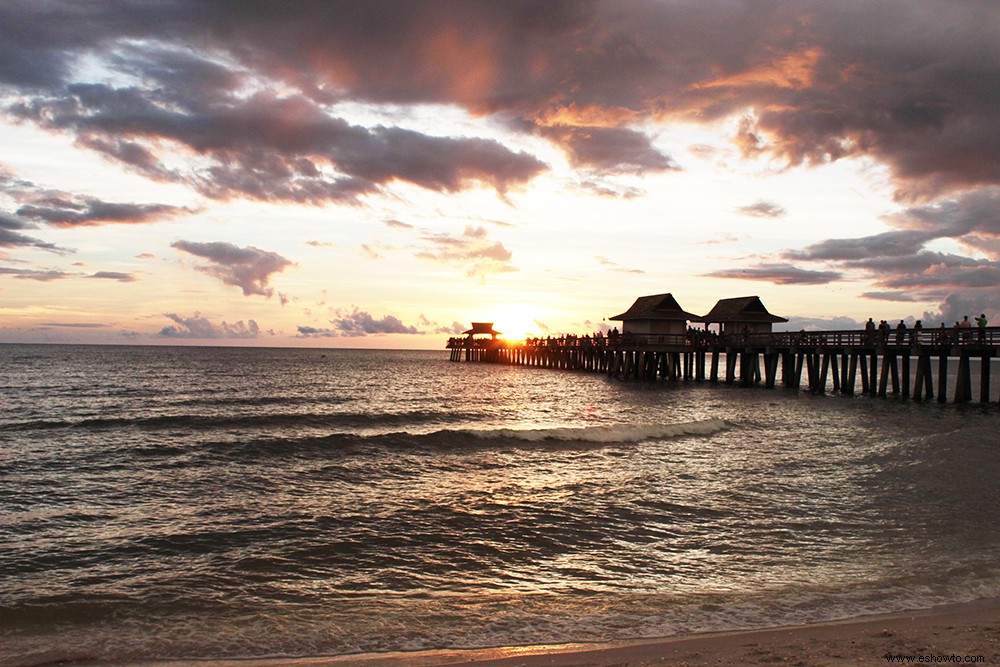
[518, 321]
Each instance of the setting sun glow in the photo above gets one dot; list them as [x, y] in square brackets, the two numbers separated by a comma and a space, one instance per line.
[518, 321]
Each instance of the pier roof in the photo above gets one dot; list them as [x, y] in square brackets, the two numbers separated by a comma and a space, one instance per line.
[740, 309]
[656, 307]
[482, 328]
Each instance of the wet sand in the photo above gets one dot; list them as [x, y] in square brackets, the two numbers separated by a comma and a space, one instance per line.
[956, 634]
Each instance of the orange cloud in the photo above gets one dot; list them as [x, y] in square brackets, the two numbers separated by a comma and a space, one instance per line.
[794, 71]
[590, 115]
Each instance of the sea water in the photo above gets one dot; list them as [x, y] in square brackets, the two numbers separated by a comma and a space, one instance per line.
[219, 502]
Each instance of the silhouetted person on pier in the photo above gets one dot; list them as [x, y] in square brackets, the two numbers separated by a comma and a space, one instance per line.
[917, 326]
[870, 330]
[900, 332]
[883, 332]
[981, 323]
[966, 327]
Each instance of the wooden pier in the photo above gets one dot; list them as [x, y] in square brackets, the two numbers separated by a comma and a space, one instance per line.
[883, 362]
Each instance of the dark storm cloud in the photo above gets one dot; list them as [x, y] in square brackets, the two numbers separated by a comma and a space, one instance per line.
[910, 83]
[272, 148]
[248, 268]
[779, 274]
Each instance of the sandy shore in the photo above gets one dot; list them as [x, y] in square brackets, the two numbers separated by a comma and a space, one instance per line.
[959, 634]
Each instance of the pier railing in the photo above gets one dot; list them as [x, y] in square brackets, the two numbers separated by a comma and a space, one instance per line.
[989, 337]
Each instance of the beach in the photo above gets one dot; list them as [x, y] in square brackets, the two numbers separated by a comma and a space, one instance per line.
[953, 634]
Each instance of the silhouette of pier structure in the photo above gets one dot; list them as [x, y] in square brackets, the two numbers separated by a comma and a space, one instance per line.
[657, 344]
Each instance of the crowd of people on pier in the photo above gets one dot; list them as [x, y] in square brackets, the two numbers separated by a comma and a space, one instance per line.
[960, 333]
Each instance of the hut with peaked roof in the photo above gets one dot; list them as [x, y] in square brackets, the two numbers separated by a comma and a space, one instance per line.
[741, 314]
[655, 314]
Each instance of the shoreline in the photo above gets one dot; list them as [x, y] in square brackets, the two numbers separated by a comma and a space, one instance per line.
[966, 633]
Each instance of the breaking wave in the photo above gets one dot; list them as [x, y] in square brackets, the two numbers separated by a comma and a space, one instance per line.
[603, 434]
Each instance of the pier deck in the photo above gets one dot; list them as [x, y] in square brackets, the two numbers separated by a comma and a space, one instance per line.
[834, 361]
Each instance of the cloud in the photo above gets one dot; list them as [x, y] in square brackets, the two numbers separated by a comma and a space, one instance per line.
[397, 224]
[586, 75]
[762, 209]
[609, 149]
[361, 323]
[75, 325]
[889, 296]
[614, 266]
[887, 244]
[58, 208]
[270, 148]
[114, 275]
[10, 237]
[455, 329]
[75, 211]
[909, 84]
[316, 332]
[197, 326]
[604, 188]
[970, 302]
[34, 274]
[472, 249]
[840, 323]
[779, 274]
[899, 262]
[356, 323]
[248, 268]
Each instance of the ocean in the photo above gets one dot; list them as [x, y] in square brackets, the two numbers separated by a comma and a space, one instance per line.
[184, 503]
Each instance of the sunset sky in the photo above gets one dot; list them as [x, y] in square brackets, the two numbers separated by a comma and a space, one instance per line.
[380, 174]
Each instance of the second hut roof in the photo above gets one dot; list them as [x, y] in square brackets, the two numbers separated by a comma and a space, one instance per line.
[740, 309]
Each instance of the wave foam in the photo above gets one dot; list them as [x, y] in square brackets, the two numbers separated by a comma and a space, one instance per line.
[603, 434]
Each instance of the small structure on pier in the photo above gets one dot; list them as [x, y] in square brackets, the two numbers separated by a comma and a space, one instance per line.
[742, 314]
[656, 314]
[481, 329]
